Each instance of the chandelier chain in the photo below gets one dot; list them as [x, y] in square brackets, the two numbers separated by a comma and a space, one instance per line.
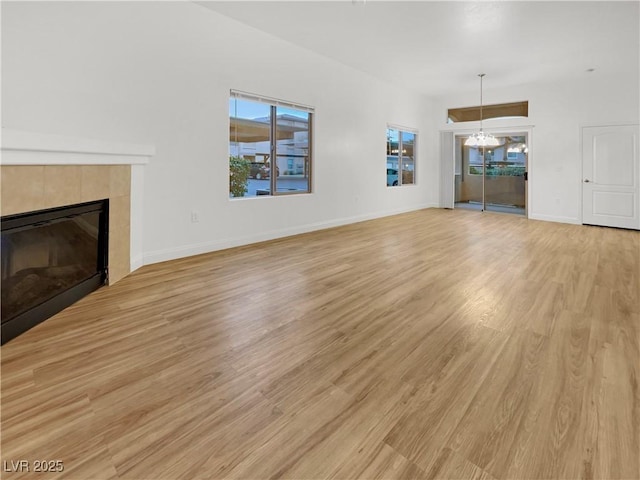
[481, 75]
[481, 139]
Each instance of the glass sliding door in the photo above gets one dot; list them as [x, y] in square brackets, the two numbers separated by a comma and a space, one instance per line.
[468, 176]
[505, 170]
[492, 178]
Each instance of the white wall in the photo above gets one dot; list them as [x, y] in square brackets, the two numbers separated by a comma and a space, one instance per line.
[558, 111]
[160, 73]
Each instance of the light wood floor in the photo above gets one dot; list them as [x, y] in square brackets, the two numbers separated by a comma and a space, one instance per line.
[434, 344]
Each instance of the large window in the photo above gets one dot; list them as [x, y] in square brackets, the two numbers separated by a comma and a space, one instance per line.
[269, 146]
[401, 144]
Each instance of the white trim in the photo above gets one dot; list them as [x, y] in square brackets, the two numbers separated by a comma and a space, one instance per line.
[30, 148]
[206, 247]
[580, 192]
[468, 128]
[48, 157]
[403, 128]
[554, 218]
[136, 263]
[270, 100]
[608, 124]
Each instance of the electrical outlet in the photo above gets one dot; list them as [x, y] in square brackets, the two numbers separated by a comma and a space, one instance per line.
[195, 218]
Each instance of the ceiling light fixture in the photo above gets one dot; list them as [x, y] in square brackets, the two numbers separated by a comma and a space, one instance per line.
[481, 139]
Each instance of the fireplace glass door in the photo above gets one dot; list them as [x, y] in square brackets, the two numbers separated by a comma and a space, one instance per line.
[47, 253]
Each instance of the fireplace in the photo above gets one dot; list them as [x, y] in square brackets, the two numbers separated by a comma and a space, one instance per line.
[50, 259]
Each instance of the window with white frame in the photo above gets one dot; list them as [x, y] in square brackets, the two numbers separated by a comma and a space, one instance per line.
[269, 146]
[401, 157]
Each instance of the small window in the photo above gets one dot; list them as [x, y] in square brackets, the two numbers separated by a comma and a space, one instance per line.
[269, 146]
[401, 159]
[500, 110]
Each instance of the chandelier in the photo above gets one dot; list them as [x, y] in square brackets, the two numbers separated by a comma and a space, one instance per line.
[481, 139]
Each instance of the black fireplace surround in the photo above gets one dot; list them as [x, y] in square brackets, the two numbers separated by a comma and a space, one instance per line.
[50, 259]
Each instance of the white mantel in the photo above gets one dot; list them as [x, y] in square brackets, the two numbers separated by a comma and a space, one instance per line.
[32, 148]
[20, 147]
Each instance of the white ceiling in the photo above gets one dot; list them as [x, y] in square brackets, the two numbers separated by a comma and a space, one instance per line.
[439, 47]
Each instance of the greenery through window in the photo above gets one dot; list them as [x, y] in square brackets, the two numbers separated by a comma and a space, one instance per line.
[401, 160]
[269, 146]
[508, 159]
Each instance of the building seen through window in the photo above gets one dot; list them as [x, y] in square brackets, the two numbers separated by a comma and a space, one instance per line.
[400, 157]
[269, 148]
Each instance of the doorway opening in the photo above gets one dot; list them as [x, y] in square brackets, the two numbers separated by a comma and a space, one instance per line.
[492, 178]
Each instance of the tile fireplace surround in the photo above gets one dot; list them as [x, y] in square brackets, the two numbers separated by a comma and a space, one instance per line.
[41, 171]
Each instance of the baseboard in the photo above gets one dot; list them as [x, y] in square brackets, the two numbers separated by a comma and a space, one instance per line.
[206, 247]
[136, 262]
[554, 218]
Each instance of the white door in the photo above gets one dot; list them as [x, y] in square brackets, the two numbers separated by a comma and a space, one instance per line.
[611, 176]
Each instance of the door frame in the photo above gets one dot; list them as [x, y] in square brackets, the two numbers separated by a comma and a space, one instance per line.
[447, 165]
